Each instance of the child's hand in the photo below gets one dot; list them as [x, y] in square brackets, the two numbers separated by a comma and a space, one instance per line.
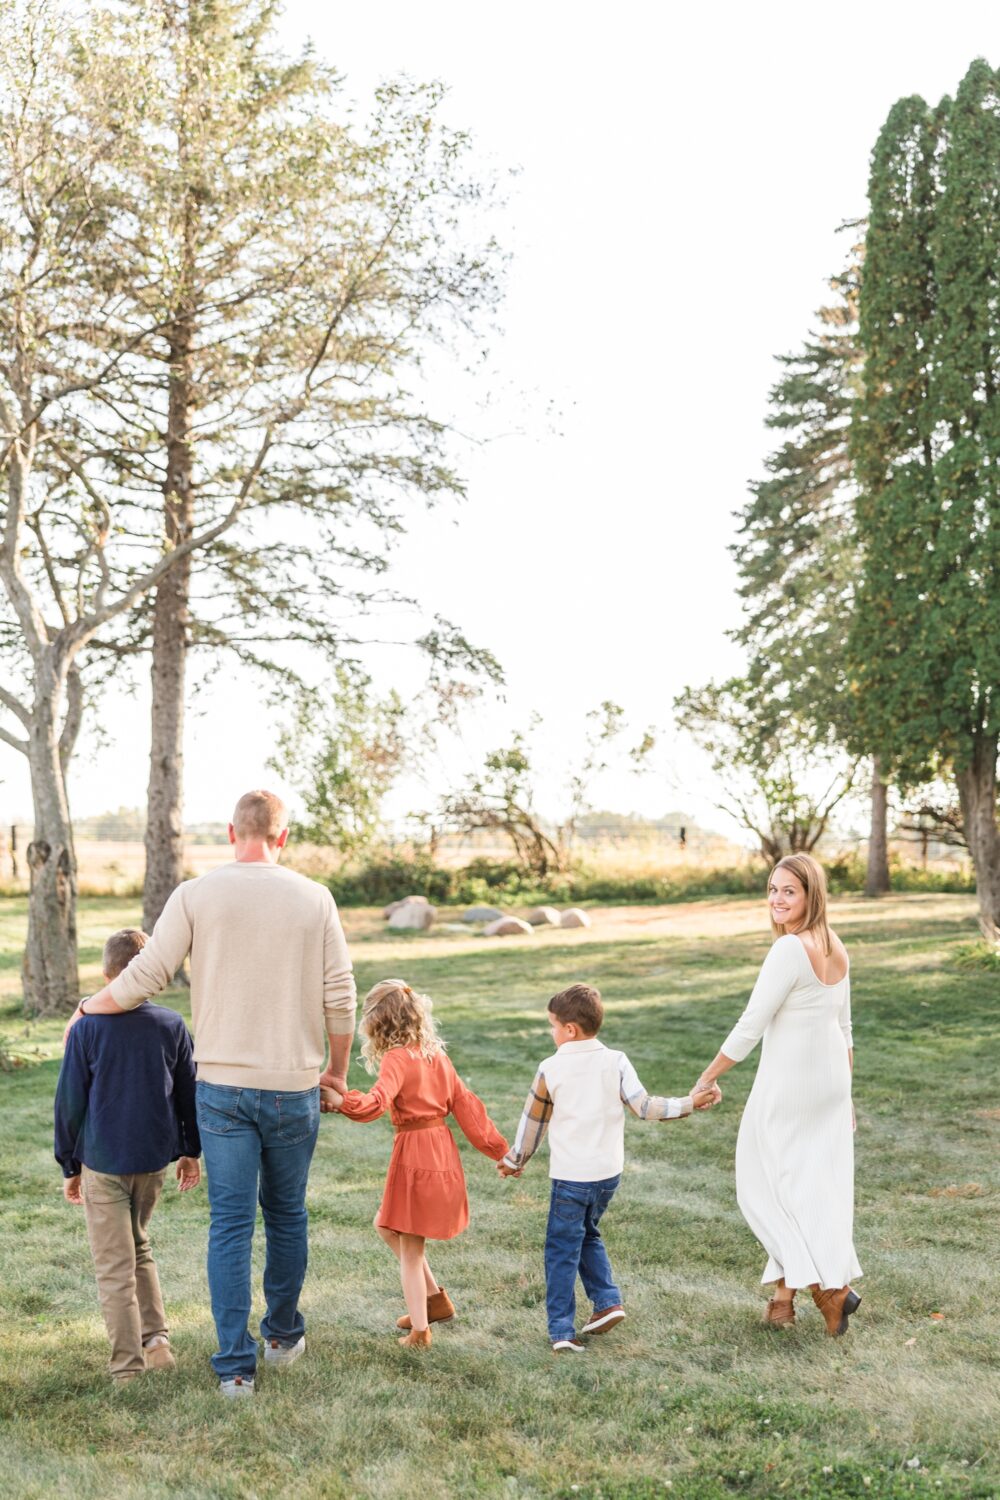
[71, 1189]
[706, 1096]
[188, 1173]
[506, 1171]
[329, 1100]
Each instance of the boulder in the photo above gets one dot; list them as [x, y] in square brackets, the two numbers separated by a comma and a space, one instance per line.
[574, 917]
[508, 927]
[395, 905]
[542, 916]
[482, 914]
[413, 916]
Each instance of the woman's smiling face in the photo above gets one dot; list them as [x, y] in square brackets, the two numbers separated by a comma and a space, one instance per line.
[786, 898]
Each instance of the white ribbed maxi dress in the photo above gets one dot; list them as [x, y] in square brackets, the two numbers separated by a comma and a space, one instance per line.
[795, 1150]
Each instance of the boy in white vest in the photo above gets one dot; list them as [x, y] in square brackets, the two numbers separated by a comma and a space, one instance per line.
[579, 1096]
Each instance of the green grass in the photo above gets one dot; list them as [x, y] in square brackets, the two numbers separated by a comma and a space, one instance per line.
[691, 1397]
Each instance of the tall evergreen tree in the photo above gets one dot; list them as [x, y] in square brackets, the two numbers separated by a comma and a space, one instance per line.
[925, 643]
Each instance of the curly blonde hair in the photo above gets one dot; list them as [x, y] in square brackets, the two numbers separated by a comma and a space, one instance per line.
[396, 1016]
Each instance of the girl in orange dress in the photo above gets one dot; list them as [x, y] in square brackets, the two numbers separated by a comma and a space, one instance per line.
[424, 1195]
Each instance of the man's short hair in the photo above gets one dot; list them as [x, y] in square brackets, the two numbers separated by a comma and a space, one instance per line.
[260, 815]
[120, 949]
[581, 1006]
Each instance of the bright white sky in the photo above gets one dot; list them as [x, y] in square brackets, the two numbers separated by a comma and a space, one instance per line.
[682, 172]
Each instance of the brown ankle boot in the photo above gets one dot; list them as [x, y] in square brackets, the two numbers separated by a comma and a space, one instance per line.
[439, 1309]
[836, 1304]
[417, 1338]
[780, 1313]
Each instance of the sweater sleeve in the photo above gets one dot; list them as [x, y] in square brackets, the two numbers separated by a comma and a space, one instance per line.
[72, 1092]
[648, 1106]
[366, 1107]
[778, 973]
[340, 998]
[474, 1123]
[533, 1124]
[184, 1097]
[155, 965]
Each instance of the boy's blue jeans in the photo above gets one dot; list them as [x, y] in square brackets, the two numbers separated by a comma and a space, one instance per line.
[573, 1244]
[258, 1146]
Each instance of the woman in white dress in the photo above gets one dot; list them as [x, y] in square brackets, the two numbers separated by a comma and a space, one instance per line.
[795, 1151]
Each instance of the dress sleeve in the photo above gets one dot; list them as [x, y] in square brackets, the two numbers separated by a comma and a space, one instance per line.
[845, 1013]
[474, 1123]
[779, 972]
[365, 1107]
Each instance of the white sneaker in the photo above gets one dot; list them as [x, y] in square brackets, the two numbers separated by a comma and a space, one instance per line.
[237, 1387]
[283, 1355]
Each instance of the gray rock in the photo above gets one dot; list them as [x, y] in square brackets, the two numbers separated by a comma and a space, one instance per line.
[413, 916]
[387, 911]
[482, 914]
[542, 916]
[574, 917]
[508, 927]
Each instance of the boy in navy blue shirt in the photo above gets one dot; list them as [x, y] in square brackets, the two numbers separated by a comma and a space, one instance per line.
[124, 1110]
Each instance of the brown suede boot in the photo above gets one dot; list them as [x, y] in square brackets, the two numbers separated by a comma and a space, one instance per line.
[417, 1338]
[439, 1309]
[836, 1304]
[780, 1313]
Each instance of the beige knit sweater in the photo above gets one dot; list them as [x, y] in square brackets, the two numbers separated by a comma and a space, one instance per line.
[270, 974]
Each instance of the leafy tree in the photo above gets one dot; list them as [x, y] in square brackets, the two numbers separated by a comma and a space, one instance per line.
[343, 753]
[277, 251]
[769, 760]
[798, 552]
[925, 641]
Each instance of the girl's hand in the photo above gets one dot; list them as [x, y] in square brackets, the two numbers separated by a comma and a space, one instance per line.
[506, 1171]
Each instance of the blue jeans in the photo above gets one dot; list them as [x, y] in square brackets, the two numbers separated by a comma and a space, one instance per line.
[258, 1145]
[573, 1244]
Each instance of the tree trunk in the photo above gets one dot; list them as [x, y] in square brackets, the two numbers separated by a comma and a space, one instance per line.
[49, 969]
[877, 878]
[165, 792]
[977, 792]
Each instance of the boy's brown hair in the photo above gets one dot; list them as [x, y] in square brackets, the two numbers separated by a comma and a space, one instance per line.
[581, 1006]
[120, 949]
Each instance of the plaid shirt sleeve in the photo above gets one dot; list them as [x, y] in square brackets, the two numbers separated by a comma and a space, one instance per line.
[533, 1124]
[649, 1106]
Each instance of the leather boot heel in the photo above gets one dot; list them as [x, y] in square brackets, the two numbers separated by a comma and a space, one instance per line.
[851, 1303]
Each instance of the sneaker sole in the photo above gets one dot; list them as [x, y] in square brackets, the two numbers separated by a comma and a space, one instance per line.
[605, 1324]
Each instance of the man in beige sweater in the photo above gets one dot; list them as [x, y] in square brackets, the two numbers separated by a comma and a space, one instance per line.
[271, 984]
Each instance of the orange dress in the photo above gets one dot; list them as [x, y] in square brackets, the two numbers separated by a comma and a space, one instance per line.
[425, 1185]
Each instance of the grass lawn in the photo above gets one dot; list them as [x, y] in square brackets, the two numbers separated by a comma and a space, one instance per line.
[691, 1397]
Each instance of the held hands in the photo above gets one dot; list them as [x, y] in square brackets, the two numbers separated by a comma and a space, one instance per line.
[506, 1171]
[330, 1100]
[71, 1189]
[704, 1095]
[188, 1173]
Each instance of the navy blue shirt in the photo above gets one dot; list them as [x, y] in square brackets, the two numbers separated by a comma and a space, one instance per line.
[125, 1096]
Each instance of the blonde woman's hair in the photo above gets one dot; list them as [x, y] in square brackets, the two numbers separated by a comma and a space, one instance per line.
[396, 1016]
[812, 878]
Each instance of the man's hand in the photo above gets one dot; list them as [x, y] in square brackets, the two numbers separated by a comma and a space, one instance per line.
[332, 1080]
[506, 1171]
[72, 1191]
[706, 1095]
[330, 1100]
[76, 1016]
[188, 1173]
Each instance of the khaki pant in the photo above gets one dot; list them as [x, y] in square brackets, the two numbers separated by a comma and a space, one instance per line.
[118, 1211]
